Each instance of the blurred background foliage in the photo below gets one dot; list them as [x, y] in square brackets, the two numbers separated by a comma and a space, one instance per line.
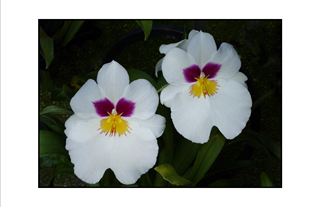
[71, 52]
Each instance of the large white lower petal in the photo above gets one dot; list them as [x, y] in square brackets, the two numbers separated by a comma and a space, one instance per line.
[145, 97]
[169, 92]
[231, 108]
[113, 78]
[128, 156]
[156, 124]
[173, 65]
[82, 102]
[229, 59]
[201, 47]
[191, 116]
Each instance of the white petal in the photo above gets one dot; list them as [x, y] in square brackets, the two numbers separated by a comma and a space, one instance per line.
[192, 33]
[81, 102]
[229, 59]
[158, 67]
[191, 116]
[240, 78]
[82, 130]
[156, 124]
[201, 47]
[231, 108]
[164, 48]
[173, 64]
[169, 92]
[134, 154]
[145, 97]
[128, 156]
[113, 78]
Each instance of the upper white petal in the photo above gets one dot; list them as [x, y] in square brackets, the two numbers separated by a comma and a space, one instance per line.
[82, 102]
[173, 64]
[191, 116]
[145, 97]
[113, 78]
[169, 92]
[201, 47]
[229, 59]
[231, 108]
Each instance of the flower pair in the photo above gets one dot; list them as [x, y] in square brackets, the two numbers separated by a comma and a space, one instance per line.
[115, 125]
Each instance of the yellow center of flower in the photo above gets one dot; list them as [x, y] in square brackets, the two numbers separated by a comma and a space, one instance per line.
[203, 86]
[114, 124]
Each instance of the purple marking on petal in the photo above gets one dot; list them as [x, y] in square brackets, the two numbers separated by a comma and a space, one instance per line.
[125, 107]
[103, 106]
[191, 73]
[211, 69]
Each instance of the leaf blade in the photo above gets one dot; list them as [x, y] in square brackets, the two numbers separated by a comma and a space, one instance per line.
[146, 26]
[169, 174]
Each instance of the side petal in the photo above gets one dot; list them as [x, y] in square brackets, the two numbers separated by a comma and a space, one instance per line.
[164, 48]
[240, 78]
[82, 130]
[173, 65]
[82, 102]
[191, 117]
[145, 98]
[201, 47]
[156, 124]
[158, 67]
[229, 60]
[113, 78]
[169, 92]
[232, 108]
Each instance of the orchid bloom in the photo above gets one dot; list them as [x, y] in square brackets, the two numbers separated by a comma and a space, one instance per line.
[114, 126]
[205, 88]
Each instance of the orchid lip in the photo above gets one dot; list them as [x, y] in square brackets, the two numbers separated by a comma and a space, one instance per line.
[210, 71]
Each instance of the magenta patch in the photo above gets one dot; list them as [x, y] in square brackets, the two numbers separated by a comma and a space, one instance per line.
[125, 107]
[211, 69]
[103, 107]
[191, 73]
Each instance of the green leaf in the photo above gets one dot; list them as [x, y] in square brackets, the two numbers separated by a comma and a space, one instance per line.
[161, 83]
[146, 26]
[46, 82]
[221, 183]
[168, 173]
[185, 153]
[52, 143]
[50, 120]
[68, 30]
[266, 141]
[93, 185]
[265, 181]
[262, 98]
[45, 161]
[55, 110]
[167, 135]
[138, 74]
[46, 47]
[58, 129]
[207, 155]
[62, 94]
[109, 179]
